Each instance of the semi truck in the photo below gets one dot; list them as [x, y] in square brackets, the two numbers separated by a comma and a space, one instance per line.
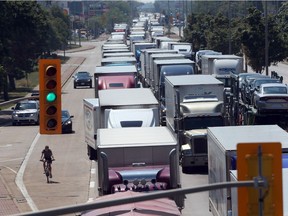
[140, 159]
[115, 77]
[182, 48]
[161, 56]
[115, 108]
[222, 66]
[222, 156]
[112, 61]
[193, 103]
[144, 69]
[167, 67]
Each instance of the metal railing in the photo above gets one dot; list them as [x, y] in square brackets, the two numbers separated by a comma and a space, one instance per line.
[257, 183]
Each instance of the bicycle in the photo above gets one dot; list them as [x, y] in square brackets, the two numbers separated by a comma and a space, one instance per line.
[47, 170]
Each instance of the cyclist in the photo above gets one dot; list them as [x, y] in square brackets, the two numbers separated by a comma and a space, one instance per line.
[47, 155]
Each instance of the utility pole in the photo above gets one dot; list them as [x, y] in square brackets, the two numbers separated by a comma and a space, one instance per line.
[169, 16]
[266, 40]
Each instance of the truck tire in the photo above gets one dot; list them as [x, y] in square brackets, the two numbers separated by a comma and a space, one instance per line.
[92, 153]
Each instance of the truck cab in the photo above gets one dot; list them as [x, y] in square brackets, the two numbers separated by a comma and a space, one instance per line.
[139, 159]
[115, 77]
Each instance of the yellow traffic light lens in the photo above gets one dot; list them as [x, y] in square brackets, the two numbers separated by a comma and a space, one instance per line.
[51, 97]
[51, 71]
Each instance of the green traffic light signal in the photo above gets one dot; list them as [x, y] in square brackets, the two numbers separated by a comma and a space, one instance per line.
[51, 97]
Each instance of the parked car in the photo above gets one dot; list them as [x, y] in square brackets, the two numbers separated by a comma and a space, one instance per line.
[66, 122]
[26, 111]
[271, 97]
[82, 78]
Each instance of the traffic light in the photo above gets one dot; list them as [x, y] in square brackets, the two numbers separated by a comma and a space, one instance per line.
[50, 96]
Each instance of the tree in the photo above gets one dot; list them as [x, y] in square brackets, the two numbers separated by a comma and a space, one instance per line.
[28, 31]
[253, 40]
[282, 20]
[119, 12]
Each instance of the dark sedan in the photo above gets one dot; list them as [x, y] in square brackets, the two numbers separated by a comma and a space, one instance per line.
[66, 122]
[82, 78]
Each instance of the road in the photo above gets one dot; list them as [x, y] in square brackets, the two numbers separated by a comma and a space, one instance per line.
[74, 176]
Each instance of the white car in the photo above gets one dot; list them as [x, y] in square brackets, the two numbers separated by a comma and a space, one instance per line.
[271, 97]
[26, 111]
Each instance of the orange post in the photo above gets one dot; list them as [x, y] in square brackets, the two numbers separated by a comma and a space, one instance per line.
[270, 198]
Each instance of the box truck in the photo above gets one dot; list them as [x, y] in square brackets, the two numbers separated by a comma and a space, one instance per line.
[115, 108]
[222, 156]
[193, 103]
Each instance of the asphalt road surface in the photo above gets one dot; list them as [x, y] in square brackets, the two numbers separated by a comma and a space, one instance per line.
[74, 175]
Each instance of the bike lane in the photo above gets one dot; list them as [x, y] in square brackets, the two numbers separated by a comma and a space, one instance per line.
[9, 205]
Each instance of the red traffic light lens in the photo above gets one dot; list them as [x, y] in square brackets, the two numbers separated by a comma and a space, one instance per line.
[52, 123]
[51, 84]
[51, 110]
[51, 71]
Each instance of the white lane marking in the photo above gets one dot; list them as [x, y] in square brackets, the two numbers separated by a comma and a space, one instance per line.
[93, 171]
[7, 145]
[14, 159]
[92, 184]
[90, 200]
[20, 174]
[9, 169]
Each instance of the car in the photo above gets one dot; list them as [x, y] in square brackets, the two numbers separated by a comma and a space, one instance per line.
[255, 84]
[66, 122]
[82, 78]
[271, 97]
[26, 111]
[245, 83]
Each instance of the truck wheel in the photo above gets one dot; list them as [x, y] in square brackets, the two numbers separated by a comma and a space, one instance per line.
[185, 169]
[37, 122]
[92, 153]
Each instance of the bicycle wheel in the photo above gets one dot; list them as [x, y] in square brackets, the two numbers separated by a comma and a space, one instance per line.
[47, 173]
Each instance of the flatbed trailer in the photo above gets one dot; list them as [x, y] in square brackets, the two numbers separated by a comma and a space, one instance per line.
[238, 112]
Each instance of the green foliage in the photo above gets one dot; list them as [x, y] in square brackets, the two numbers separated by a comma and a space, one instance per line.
[240, 32]
[119, 12]
[28, 31]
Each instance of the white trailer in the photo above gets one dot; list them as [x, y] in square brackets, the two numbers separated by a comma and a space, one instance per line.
[222, 147]
[182, 48]
[168, 67]
[193, 103]
[145, 63]
[110, 61]
[233, 64]
[114, 108]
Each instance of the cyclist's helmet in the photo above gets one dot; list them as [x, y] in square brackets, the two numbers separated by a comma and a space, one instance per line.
[46, 147]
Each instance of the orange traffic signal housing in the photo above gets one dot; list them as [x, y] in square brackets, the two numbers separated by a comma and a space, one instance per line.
[50, 96]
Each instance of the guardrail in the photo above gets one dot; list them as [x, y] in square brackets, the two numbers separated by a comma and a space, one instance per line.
[13, 101]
